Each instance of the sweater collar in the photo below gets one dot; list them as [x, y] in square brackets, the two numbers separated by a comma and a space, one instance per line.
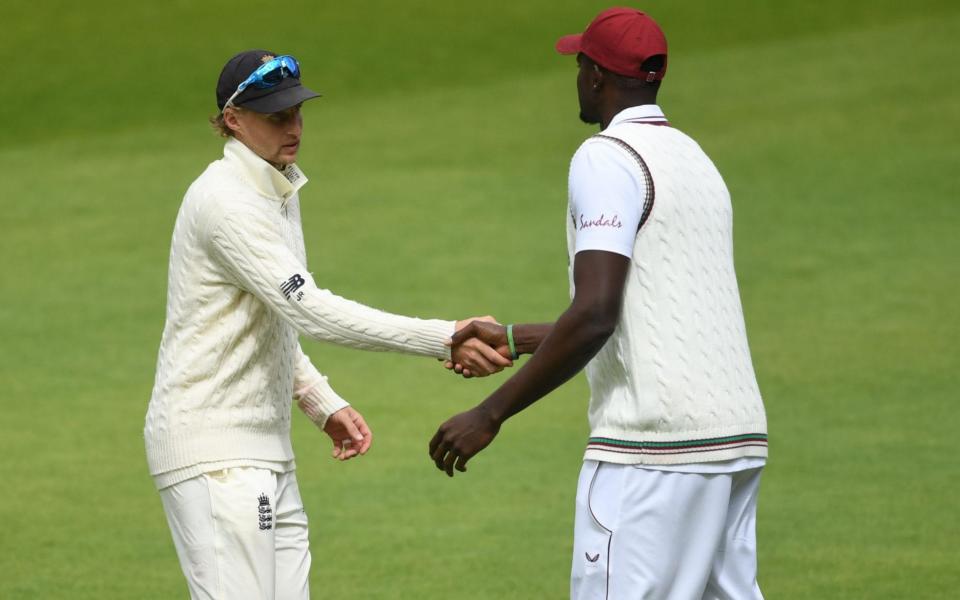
[276, 185]
[644, 113]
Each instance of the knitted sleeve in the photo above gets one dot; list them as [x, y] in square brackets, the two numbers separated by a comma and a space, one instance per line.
[313, 394]
[250, 247]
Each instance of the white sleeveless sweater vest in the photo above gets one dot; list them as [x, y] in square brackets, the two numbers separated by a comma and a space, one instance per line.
[675, 384]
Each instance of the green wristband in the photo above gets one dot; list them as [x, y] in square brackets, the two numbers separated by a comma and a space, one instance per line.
[513, 347]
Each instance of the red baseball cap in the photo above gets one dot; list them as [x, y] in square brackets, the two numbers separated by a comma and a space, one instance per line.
[619, 40]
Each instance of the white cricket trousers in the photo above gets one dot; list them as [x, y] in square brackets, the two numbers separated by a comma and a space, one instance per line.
[240, 534]
[659, 535]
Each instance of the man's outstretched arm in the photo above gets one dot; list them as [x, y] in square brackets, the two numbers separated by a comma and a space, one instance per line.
[575, 338]
[252, 250]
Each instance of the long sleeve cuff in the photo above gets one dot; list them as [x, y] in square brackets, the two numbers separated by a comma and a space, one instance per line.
[318, 401]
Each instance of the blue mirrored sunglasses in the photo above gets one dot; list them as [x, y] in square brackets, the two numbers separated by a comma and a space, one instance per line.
[268, 75]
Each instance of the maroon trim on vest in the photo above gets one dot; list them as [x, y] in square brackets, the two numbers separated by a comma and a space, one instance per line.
[663, 123]
[648, 179]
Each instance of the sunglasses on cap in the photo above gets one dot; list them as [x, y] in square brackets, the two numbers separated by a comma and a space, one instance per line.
[268, 75]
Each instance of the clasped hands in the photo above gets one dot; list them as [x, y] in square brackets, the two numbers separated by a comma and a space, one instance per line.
[478, 348]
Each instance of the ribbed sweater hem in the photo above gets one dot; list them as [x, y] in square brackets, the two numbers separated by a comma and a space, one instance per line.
[677, 448]
[167, 453]
[165, 480]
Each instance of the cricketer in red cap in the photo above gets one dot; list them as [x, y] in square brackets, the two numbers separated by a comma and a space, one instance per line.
[666, 502]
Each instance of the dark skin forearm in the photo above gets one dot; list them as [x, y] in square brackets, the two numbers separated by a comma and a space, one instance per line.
[528, 336]
[562, 350]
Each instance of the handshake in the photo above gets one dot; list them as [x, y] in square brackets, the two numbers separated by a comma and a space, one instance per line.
[479, 347]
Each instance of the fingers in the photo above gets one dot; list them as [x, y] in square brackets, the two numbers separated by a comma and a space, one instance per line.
[435, 442]
[479, 358]
[475, 362]
[347, 450]
[439, 451]
[467, 373]
[447, 458]
[490, 354]
[444, 458]
[448, 463]
[361, 437]
[445, 455]
[438, 454]
[343, 449]
[349, 425]
[364, 430]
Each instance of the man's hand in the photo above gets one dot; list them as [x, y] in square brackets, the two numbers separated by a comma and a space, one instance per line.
[461, 437]
[489, 332]
[473, 357]
[349, 432]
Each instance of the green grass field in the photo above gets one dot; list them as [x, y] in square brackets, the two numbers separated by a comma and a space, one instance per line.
[438, 160]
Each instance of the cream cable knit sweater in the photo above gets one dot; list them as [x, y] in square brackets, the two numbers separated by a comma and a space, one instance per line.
[238, 295]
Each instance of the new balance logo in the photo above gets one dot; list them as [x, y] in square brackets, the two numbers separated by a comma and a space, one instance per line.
[266, 513]
[291, 285]
[592, 558]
